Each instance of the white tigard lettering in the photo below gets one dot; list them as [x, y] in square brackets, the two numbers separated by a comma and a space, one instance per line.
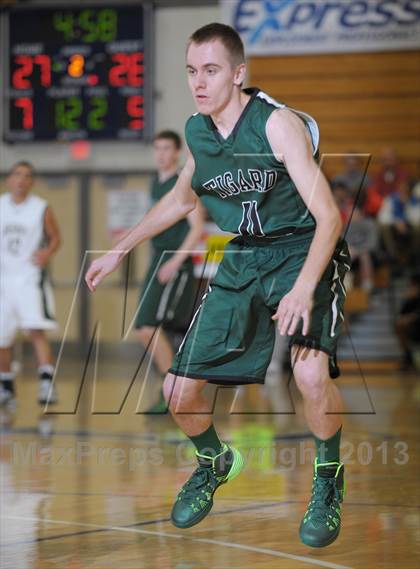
[228, 180]
[212, 186]
[270, 179]
[257, 179]
[244, 184]
[224, 187]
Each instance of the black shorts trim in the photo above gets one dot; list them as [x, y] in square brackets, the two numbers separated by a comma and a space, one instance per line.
[311, 343]
[42, 285]
[218, 379]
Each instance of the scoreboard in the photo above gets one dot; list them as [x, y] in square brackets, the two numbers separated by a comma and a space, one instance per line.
[80, 72]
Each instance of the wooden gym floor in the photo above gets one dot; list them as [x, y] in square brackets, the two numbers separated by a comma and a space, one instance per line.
[94, 490]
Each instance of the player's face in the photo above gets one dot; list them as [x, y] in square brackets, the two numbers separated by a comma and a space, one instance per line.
[20, 181]
[211, 76]
[166, 154]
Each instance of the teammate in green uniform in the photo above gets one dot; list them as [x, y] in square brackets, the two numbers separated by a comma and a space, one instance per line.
[253, 163]
[167, 296]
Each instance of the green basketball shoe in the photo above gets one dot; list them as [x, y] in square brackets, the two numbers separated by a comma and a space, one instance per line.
[195, 498]
[321, 523]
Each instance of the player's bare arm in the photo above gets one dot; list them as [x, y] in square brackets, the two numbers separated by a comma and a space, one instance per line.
[52, 233]
[291, 144]
[175, 205]
[196, 221]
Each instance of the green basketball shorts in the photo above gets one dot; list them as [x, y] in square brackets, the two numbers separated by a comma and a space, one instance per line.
[169, 304]
[231, 336]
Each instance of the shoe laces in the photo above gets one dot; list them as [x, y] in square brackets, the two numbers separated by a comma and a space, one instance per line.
[203, 479]
[324, 493]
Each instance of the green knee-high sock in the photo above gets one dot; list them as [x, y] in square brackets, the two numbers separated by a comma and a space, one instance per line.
[328, 450]
[207, 443]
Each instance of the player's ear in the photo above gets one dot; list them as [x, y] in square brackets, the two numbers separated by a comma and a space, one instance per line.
[240, 73]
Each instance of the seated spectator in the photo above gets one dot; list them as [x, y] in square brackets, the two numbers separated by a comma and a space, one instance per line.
[399, 221]
[387, 180]
[354, 176]
[407, 326]
[343, 199]
[362, 239]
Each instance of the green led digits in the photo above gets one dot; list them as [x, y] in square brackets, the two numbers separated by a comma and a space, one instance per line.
[67, 112]
[107, 20]
[88, 25]
[63, 22]
[96, 114]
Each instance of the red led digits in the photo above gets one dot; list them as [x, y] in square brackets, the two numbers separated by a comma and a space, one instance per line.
[28, 112]
[135, 111]
[20, 77]
[44, 61]
[135, 73]
[128, 70]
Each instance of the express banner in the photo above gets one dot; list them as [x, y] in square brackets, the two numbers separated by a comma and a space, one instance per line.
[272, 27]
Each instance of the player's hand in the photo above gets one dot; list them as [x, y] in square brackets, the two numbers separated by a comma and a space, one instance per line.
[41, 257]
[295, 305]
[168, 270]
[102, 267]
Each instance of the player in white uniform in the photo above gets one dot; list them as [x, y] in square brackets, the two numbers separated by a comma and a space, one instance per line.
[29, 236]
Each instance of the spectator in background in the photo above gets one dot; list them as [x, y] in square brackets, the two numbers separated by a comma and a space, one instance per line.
[387, 181]
[407, 326]
[391, 174]
[343, 199]
[362, 238]
[399, 219]
[354, 176]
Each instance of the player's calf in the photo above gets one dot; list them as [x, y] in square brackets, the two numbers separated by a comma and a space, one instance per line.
[7, 389]
[47, 394]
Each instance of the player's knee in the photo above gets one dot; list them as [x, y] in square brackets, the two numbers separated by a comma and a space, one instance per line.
[310, 382]
[36, 334]
[168, 387]
[145, 334]
[180, 393]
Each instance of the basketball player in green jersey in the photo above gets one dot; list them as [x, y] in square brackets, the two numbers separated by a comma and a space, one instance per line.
[252, 164]
[167, 296]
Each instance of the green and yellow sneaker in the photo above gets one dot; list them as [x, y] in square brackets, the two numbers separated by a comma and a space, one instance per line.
[195, 500]
[322, 520]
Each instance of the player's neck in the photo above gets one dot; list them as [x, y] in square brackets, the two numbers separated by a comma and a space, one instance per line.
[226, 119]
[164, 175]
[18, 199]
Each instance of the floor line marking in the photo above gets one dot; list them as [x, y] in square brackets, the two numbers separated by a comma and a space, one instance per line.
[262, 550]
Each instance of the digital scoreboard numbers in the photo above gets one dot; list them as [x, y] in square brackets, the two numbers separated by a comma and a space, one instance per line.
[78, 73]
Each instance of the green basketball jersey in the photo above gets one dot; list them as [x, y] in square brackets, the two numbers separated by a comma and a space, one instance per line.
[242, 185]
[172, 237]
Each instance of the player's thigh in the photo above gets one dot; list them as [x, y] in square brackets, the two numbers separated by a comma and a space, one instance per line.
[327, 314]
[177, 389]
[36, 306]
[9, 322]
